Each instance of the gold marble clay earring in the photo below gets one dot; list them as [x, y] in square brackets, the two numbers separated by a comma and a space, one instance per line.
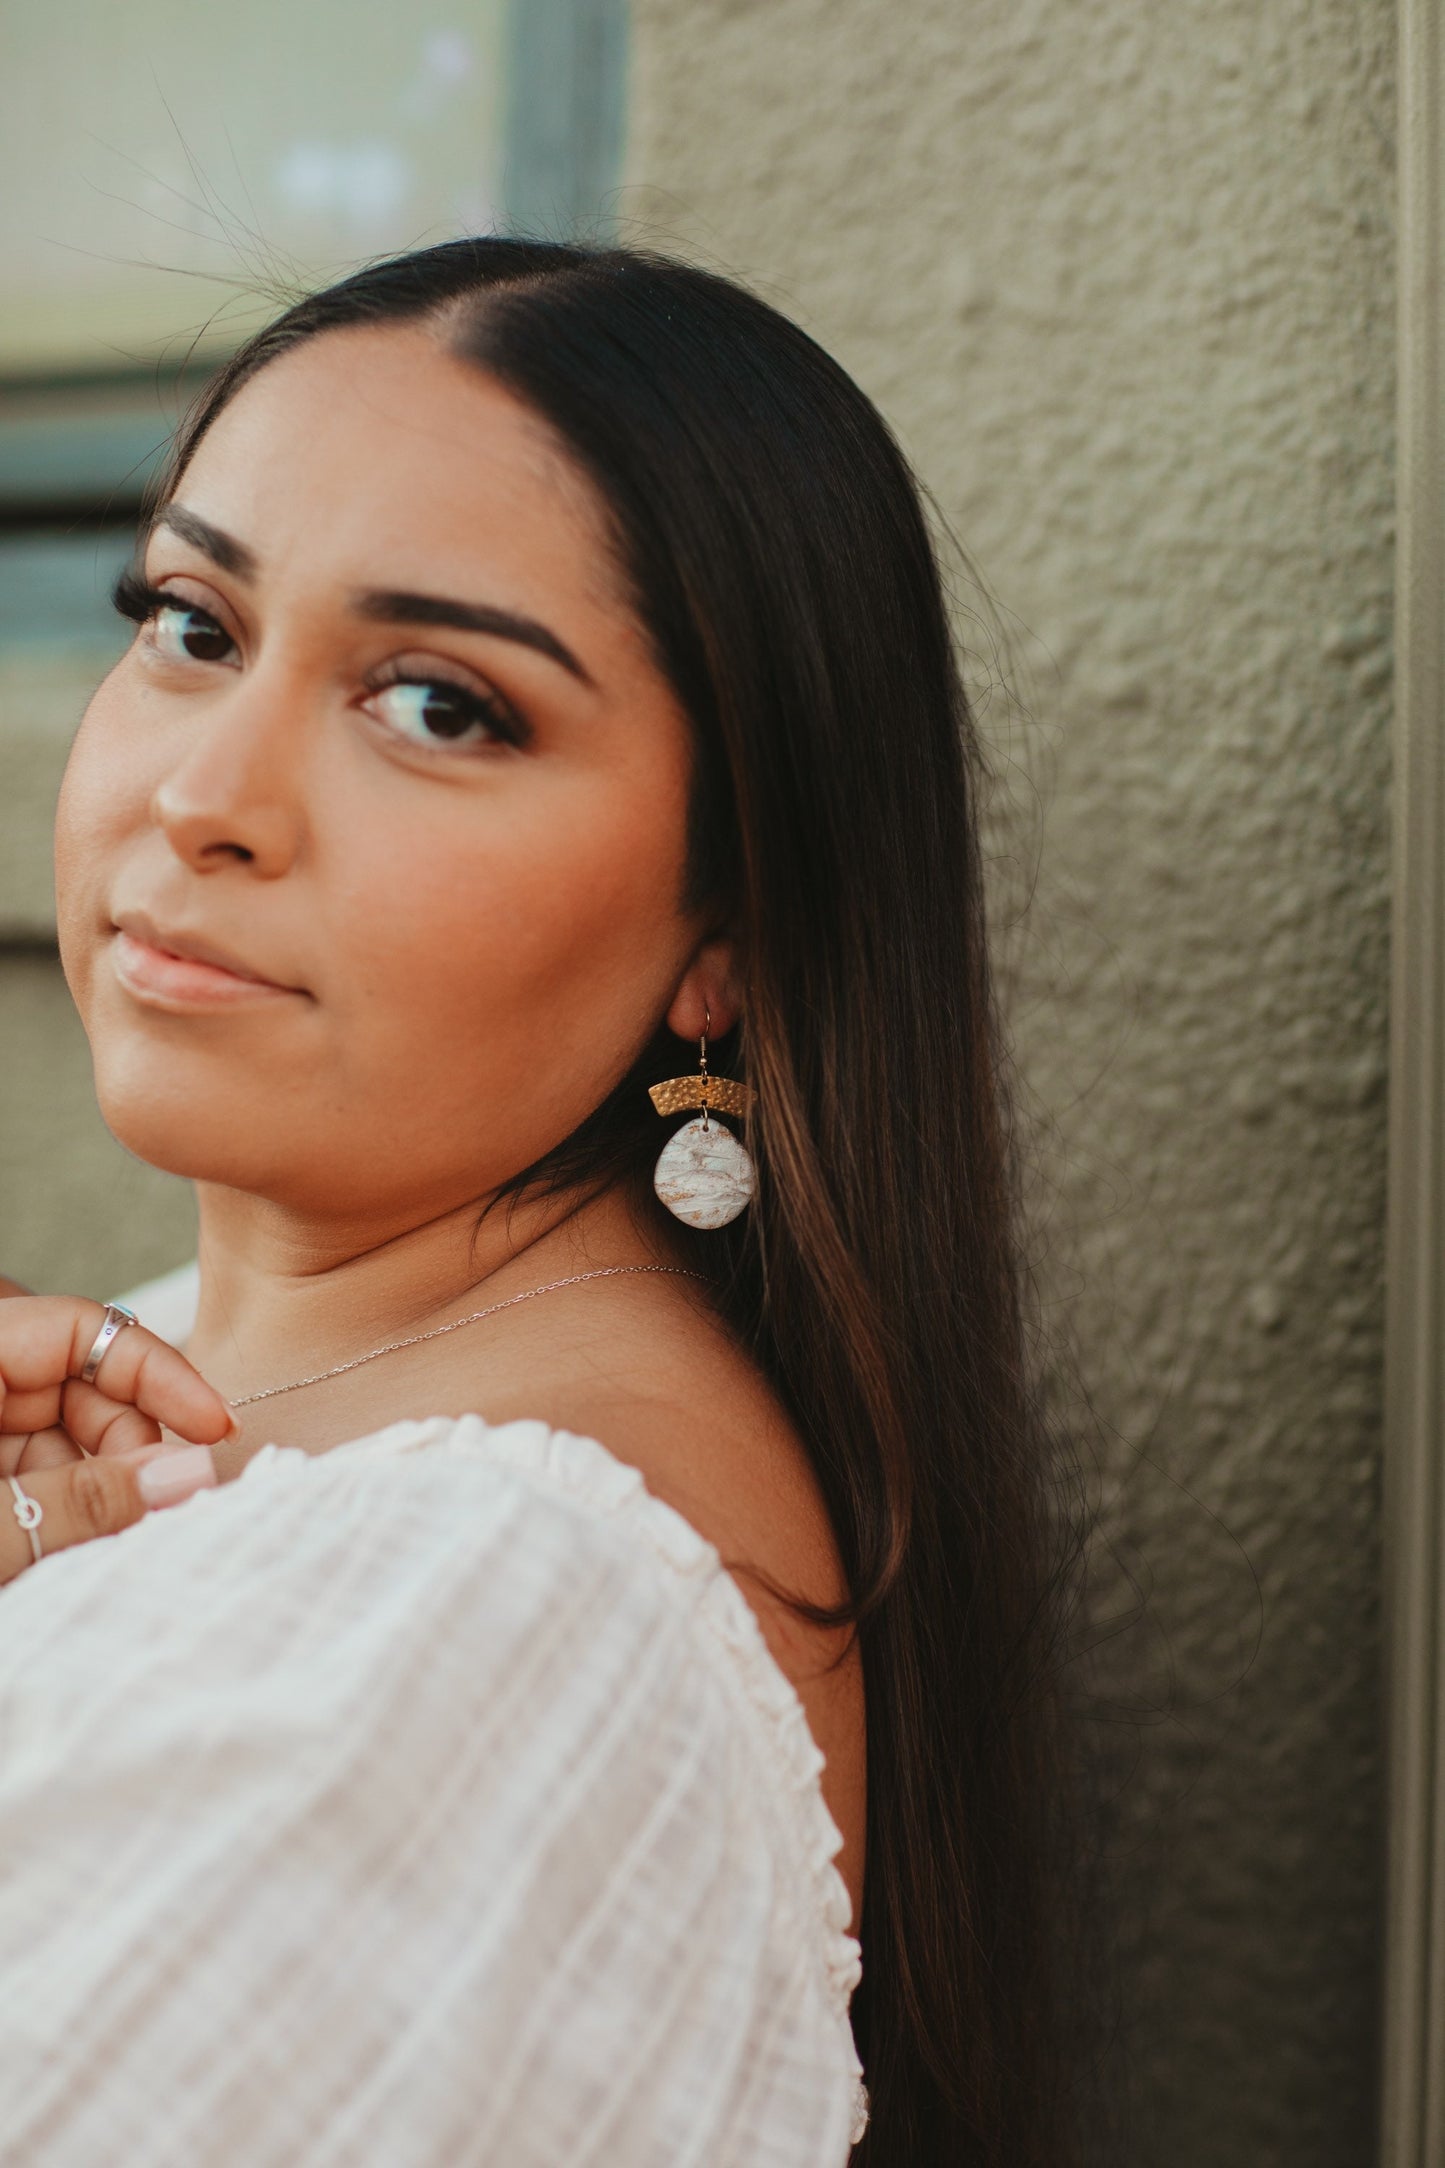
[703, 1175]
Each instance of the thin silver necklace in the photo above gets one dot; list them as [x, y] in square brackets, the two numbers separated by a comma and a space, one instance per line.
[574, 1279]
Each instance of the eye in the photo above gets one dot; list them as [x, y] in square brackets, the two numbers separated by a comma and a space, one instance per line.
[175, 627]
[181, 628]
[436, 712]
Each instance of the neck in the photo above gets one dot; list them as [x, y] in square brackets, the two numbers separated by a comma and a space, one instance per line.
[282, 1293]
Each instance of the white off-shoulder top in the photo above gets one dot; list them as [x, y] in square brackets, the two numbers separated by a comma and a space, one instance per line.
[434, 1800]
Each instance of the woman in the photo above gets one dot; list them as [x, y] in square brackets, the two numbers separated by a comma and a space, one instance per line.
[542, 691]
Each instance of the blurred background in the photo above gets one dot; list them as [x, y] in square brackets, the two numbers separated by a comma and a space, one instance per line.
[1122, 277]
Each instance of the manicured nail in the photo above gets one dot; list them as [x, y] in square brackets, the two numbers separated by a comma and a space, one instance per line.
[171, 1477]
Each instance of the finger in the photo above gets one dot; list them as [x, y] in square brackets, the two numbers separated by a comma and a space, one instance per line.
[97, 1498]
[95, 1422]
[101, 1424]
[45, 1344]
[27, 1411]
[21, 1449]
[12, 1287]
[149, 1374]
[53, 1448]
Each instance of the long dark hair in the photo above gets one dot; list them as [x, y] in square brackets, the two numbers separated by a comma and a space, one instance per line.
[780, 562]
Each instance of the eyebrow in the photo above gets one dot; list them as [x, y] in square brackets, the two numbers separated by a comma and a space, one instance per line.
[385, 606]
[222, 549]
[388, 607]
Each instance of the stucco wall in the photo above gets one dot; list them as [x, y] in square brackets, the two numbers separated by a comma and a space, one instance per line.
[1120, 273]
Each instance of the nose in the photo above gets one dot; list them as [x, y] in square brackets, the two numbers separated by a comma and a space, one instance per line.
[235, 796]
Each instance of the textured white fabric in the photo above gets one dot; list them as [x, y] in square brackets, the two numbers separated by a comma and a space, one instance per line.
[435, 1800]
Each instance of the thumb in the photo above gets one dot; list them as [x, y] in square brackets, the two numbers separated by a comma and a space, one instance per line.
[97, 1497]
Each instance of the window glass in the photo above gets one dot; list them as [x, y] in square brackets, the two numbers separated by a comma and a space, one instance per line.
[159, 158]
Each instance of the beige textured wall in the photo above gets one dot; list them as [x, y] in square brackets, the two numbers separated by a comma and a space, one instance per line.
[1121, 275]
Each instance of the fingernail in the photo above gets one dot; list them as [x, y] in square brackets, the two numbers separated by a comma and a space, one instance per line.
[233, 1427]
[171, 1477]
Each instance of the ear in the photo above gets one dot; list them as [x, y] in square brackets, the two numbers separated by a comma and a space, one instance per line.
[708, 989]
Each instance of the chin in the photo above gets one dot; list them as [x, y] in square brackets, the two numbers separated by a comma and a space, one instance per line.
[179, 1115]
[188, 1141]
[216, 1098]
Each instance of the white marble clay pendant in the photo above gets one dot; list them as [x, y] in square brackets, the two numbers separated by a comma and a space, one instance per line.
[704, 1175]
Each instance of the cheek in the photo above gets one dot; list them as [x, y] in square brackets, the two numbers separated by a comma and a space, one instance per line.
[533, 937]
[103, 796]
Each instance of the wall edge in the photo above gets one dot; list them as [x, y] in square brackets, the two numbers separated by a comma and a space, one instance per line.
[1412, 2096]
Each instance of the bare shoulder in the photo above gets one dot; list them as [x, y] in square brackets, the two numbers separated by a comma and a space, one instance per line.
[663, 1386]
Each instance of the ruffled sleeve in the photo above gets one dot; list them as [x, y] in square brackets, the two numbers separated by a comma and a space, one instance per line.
[432, 1801]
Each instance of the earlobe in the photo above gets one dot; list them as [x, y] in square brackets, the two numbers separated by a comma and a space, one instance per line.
[708, 998]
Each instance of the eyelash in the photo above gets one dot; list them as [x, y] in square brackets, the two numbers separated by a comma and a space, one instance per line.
[137, 600]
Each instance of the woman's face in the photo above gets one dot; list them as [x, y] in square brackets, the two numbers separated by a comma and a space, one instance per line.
[394, 748]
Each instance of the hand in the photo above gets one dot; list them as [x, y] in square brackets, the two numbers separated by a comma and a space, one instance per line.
[92, 1456]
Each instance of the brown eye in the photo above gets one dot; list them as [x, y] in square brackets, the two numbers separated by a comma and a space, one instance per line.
[182, 629]
[434, 711]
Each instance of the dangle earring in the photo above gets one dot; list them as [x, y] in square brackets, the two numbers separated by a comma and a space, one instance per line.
[703, 1175]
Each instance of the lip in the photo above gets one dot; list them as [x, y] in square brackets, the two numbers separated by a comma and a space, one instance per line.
[183, 970]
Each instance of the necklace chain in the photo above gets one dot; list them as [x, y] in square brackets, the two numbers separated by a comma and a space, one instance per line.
[574, 1279]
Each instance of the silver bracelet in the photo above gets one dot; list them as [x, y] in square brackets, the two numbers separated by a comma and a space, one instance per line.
[29, 1512]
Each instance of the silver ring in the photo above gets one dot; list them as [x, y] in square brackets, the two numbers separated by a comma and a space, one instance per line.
[117, 1317]
[30, 1513]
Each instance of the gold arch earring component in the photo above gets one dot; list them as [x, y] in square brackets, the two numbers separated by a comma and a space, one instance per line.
[704, 1175]
[724, 1093]
[702, 1090]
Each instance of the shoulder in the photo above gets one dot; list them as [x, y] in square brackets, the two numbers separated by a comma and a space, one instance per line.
[505, 1608]
[655, 1375]
[647, 1368]
[469, 1699]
